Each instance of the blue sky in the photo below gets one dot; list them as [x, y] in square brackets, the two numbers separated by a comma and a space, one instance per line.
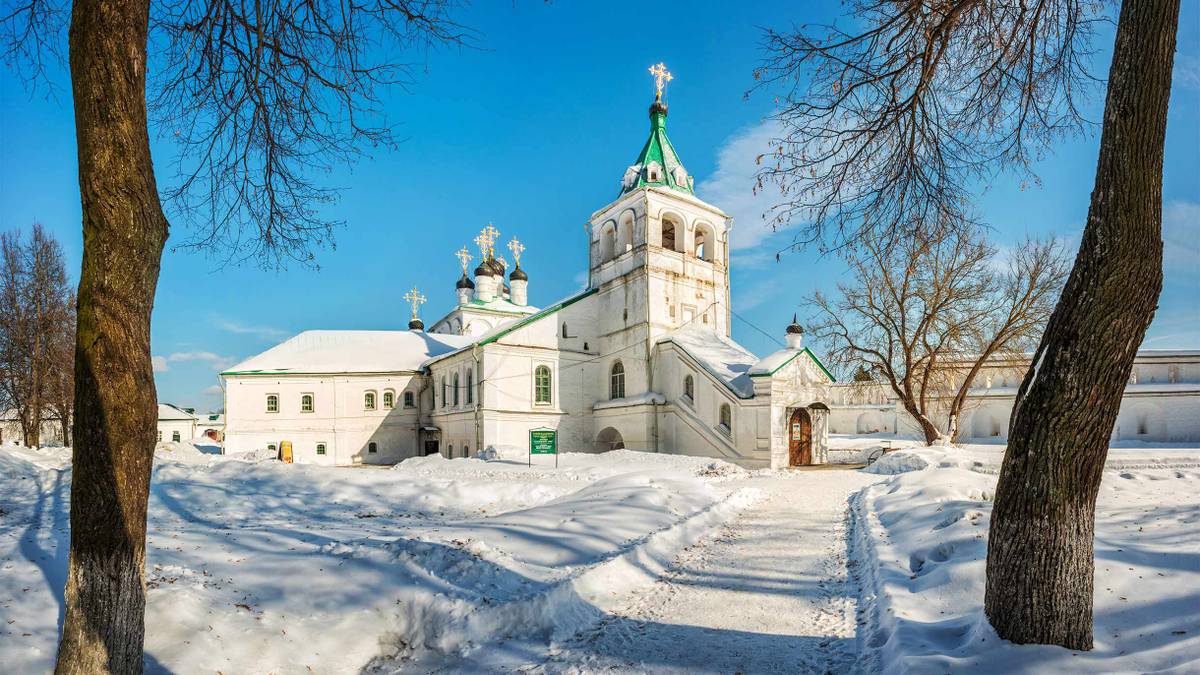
[531, 131]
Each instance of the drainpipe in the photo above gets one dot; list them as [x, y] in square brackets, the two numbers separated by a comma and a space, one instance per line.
[477, 397]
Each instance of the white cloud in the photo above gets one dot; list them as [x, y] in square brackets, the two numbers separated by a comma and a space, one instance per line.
[1187, 71]
[218, 362]
[1181, 237]
[234, 326]
[160, 364]
[731, 186]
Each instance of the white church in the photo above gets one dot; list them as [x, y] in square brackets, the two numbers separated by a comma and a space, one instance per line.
[642, 358]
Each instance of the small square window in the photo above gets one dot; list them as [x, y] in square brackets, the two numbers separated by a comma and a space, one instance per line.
[160, 435]
[175, 436]
[372, 448]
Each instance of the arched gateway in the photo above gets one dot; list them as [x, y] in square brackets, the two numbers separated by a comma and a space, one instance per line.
[800, 438]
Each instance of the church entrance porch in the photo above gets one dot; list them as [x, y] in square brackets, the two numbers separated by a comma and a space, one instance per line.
[800, 438]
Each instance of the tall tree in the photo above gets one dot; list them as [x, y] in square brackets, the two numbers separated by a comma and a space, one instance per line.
[1040, 549]
[34, 320]
[891, 124]
[927, 316]
[259, 100]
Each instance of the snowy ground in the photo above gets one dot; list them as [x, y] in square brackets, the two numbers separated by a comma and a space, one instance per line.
[622, 562]
[922, 547]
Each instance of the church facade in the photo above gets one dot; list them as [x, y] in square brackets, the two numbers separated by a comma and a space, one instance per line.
[641, 358]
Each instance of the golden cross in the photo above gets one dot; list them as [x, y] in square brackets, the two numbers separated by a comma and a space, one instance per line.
[482, 242]
[416, 299]
[464, 257]
[517, 249]
[661, 77]
[492, 235]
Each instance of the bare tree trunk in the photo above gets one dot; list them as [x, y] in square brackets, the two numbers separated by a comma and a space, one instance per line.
[1040, 551]
[124, 231]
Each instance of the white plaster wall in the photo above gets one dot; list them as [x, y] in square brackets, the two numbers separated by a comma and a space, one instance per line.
[166, 429]
[338, 420]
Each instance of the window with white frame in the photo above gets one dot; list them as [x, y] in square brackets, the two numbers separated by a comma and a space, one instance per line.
[175, 436]
[320, 448]
[389, 399]
[306, 403]
[456, 389]
[445, 399]
[616, 382]
[272, 403]
[470, 387]
[725, 418]
[541, 385]
[160, 435]
[369, 400]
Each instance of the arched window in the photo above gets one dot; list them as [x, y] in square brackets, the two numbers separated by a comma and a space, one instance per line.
[616, 384]
[306, 403]
[541, 385]
[408, 400]
[320, 448]
[608, 243]
[372, 448]
[389, 399]
[456, 389]
[564, 330]
[671, 231]
[369, 400]
[689, 389]
[470, 387]
[444, 392]
[702, 248]
[272, 403]
[726, 418]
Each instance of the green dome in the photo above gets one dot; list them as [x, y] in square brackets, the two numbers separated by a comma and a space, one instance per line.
[657, 164]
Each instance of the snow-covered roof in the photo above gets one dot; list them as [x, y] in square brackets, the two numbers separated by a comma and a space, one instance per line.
[166, 411]
[510, 326]
[350, 351]
[781, 358]
[723, 358]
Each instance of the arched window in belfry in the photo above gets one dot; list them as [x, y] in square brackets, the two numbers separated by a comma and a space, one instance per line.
[672, 232]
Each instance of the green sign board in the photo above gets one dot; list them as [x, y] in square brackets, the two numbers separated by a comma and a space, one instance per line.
[543, 442]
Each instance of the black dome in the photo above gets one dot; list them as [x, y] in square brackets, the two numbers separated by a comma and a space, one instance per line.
[465, 281]
[518, 275]
[483, 270]
[416, 324]
[795, 328]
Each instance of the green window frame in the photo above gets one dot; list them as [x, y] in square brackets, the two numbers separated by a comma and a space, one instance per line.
[320, 448]
[542, 391]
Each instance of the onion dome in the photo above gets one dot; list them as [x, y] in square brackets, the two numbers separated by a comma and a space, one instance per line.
[483, 270]
[518, 274]
[465, 281]
[416, 324]
[497, 267]
[795, 328]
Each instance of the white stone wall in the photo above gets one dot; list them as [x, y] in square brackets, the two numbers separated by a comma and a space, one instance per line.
[168, 428]
[339, 419]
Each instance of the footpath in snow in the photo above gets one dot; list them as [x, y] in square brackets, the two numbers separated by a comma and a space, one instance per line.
[768, 594]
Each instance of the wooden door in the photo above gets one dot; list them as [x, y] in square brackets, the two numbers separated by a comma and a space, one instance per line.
[800, 438]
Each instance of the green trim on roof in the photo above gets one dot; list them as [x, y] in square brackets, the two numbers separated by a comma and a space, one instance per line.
[273, 373]
[553, 309]
[811, 355]
[519, 324]
[658, 148]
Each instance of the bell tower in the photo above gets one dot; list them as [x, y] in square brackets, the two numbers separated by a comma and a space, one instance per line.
[667, 247]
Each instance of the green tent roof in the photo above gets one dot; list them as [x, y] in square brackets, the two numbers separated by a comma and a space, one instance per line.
[658, 151]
